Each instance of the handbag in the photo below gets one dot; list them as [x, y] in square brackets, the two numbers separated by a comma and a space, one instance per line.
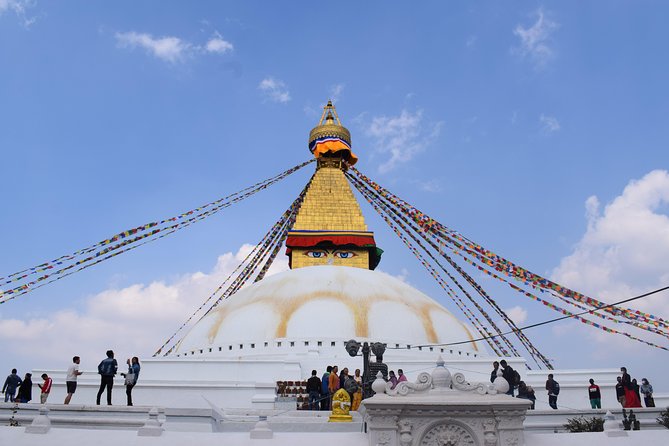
[130, 379]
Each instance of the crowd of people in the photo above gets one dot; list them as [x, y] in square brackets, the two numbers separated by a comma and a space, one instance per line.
[628, 392]
[322, 389]
[107, 369]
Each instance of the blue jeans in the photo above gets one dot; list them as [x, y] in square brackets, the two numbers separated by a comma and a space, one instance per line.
[9, 396]
[552, 401]
[314, 396]
[106, 381]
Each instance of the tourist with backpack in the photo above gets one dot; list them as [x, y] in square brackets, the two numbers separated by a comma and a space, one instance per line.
[553, 388]
[107, 369]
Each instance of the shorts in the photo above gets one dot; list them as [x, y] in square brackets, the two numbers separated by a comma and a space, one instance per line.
[71, 386]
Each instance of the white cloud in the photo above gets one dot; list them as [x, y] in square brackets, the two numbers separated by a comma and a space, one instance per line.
[535, 40]
[274, 89]
[514, 117]
[624, 252]
[134, 320]
[216, 44]
[170, 49]
[549, 124]
[20, 8]
[517, 314]
[433, 185]
[400, 138]
[335, 92]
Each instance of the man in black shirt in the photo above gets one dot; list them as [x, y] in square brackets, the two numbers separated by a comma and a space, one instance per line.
[509, 375]
[493, 374]
[314, 391]
[620, 392]
[553, 389]
[595, 395]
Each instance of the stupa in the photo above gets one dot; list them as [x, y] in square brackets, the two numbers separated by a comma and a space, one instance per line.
[332, 293]
[286, 325]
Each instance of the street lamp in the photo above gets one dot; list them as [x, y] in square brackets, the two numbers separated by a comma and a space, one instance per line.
[369, 369]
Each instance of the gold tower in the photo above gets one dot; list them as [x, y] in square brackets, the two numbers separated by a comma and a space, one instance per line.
[329, 228]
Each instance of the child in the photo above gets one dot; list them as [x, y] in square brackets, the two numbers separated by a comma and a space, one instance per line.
[46, 388]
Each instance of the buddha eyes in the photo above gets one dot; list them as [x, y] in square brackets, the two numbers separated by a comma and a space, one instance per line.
[321, 254]
[344, 254]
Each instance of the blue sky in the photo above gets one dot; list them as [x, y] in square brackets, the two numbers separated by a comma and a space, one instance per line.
[537, 129]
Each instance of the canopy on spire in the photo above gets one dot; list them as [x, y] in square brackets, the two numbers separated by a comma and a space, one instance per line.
[331, 139]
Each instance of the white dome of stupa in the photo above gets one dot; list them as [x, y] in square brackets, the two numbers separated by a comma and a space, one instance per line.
[324, 305]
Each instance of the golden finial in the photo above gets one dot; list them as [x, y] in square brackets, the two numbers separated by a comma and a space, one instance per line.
[329, 128]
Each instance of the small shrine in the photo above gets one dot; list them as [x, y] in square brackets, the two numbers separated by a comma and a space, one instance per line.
[440, 409]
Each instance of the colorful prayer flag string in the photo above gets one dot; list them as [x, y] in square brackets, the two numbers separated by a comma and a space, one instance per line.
[483, 259]
[275, 237]
[76, 259]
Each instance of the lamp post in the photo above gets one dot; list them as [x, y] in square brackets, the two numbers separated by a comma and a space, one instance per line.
[368, 375]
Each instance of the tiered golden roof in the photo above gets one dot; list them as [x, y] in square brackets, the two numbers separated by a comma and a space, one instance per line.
[329, 204]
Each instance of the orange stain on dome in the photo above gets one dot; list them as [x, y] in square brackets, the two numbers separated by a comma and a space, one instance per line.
[358, 308]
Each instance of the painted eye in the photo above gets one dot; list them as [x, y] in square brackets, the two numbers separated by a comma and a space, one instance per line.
[315, 254]
[344, 254]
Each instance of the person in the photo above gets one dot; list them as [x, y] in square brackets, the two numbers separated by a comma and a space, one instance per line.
[526, 392]
[314, 386]
[635, 388]
[342, 377]
[357, 396]
[107, 369]
[620, 392]
[333, 382]
[631, 398]
[401, 376]
[131, 377]
[509, 374]
[45, 387]
[11, 384]
[350, 385]
[392, 379]
[493, 374]
[71, 378]
[647, 391]
[25, 389]
[595, 395]
[553, 388]
[325, 393]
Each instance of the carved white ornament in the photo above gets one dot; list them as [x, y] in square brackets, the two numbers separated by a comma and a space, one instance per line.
[383, 439]
[422, 384]
[440, 380]
[448, 435]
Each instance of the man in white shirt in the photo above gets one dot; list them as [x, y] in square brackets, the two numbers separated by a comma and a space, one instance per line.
[71, 379]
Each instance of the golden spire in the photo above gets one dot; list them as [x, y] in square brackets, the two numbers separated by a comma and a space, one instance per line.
[331, 139]
[329, 228]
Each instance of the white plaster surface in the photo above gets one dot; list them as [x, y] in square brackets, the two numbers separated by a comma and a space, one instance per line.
[16, 436]
[252, 314]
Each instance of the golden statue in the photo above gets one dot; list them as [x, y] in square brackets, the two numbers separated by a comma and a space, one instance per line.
[341, 406]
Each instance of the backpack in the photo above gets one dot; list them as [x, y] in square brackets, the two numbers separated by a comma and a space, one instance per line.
[516, 377]
[556, 387]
